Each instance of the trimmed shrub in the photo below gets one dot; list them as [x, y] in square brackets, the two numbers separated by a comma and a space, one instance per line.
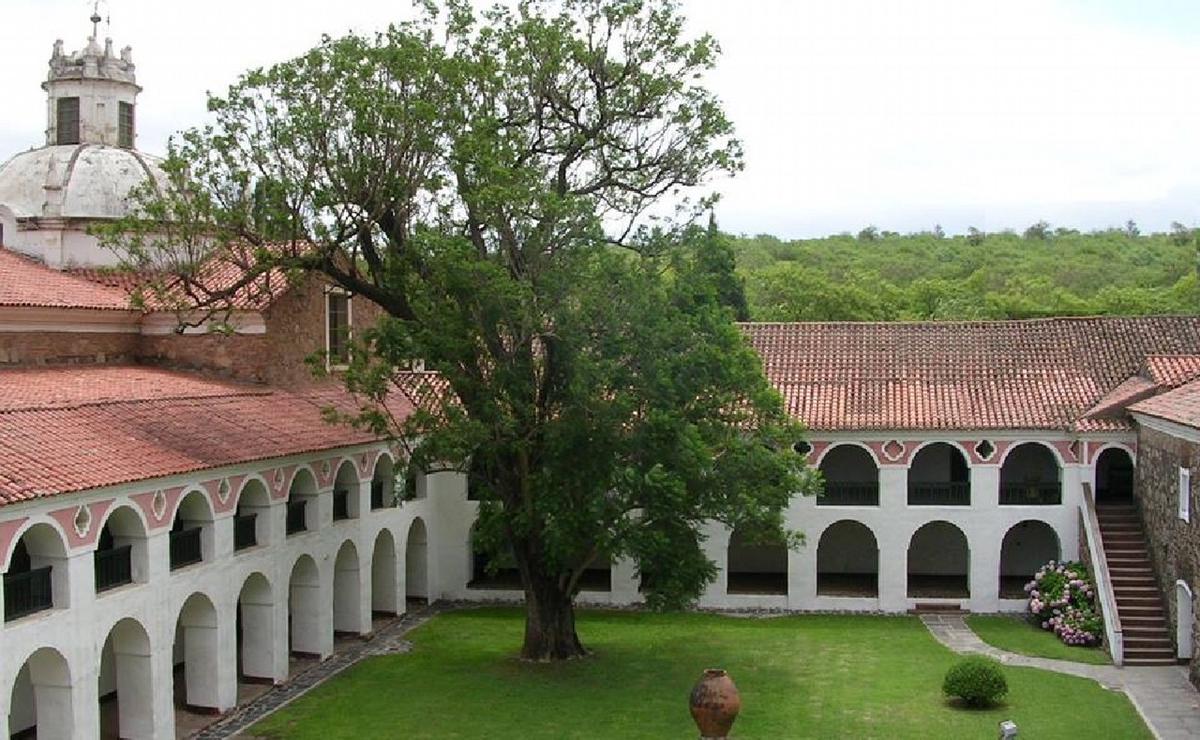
[1062, 599]
[977, 680]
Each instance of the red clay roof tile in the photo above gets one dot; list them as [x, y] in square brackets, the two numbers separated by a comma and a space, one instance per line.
[69, 429]
[29, 283]
[1039, 374]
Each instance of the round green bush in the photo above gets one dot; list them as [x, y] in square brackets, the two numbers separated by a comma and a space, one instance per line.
[976, 680]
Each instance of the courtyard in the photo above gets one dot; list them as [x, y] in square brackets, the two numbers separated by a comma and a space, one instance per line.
[799, 676]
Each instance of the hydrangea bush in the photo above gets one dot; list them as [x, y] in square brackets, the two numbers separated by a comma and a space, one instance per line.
[1062, 599]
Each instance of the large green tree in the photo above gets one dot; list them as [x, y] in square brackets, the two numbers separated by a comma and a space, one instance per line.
[498, 184]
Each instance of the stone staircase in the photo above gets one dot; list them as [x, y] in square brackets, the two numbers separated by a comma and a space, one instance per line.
[1139, 601]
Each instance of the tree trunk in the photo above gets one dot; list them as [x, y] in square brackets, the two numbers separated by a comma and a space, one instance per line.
[549, 622]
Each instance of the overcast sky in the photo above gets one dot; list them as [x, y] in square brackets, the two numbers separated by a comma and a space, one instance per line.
[897, 113]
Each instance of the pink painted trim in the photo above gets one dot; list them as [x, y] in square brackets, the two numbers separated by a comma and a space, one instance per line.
[325, 481]
[285, 485]
[8, 536]
[145, 502]
[818, 451]
[66, 519]
[366, 463]
[906, 451]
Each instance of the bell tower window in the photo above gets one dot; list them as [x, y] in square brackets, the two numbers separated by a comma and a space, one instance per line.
[337, 329]
[125, 125]
[67, 121]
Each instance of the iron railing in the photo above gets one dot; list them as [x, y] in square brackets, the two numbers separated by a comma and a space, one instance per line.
[245, 532]
[27, 593]
[1026, 494]
[849, 494]
[341, 505]
[296, 516]
[185, 547]
[952, 493]
[114, 567]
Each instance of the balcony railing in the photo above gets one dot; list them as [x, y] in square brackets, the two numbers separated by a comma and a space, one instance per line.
[185, 547]
[245, 533]
[27, 593]
[341, 505]
[296, 516]
[939, 494]
[1027, 494]
[113, 567]
[849, 494]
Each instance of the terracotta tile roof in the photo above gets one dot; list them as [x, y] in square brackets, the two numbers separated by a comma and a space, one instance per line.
[27, 282]
[1040, 374]
[75, 385]
[78, 428]
[1181, 405]
[214, 277]
[1172, 370]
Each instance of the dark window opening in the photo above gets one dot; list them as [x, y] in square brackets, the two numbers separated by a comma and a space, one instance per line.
[341, 505]
[67, 121]
[184, 545]
[338, 345]
[125, 125]
[27, 590]
[296, 516]
[245, 532]
[113, 565]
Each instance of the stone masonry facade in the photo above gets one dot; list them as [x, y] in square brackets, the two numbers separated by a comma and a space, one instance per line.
[1174, 543]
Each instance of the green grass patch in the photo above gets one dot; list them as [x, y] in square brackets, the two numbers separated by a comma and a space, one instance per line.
[1016, 635]
[799, 676]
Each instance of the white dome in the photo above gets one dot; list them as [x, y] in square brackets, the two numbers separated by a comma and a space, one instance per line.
[75, 181]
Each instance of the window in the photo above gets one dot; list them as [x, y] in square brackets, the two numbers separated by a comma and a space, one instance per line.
[67, 121]
[337, 329]
[1185, 494]
[125, 125]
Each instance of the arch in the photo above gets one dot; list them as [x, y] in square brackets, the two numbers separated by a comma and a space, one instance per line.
[42, 699]
[756, 567]
[416, 561]
[851, 476]
[385, 596]
[345, 492]
[306, 628]
[347, 592]
[848, 560]
[939, 562]
[191, 537]
[126, 682]
[1114, 476]
[1185, 620]
[939, 475]
[844, 443]
[252, 516]
[383, 482]
[196, 653]
[1027, 546]
[1031, 475]
[256, 628]
[37, 575]
[122, 551]
[302, 513]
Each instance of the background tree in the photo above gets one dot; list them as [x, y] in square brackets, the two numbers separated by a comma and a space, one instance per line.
[715, 258]
[487, 180]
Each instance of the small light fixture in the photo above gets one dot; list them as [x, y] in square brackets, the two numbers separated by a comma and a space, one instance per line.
[1008, 729]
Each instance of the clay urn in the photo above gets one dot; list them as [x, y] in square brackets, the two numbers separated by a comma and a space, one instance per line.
[715, 704]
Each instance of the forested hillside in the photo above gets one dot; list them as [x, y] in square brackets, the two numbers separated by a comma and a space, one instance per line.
[882, 276]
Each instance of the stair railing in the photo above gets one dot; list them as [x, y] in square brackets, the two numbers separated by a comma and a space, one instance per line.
[1108, 600]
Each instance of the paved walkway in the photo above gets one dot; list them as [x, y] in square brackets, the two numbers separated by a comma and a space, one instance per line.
[390, 639]
[1162, 694]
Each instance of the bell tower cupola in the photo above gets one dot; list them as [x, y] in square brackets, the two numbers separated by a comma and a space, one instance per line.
[91, 94]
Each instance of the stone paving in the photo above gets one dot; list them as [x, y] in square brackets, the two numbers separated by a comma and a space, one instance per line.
[1161, 694]
[390, 639]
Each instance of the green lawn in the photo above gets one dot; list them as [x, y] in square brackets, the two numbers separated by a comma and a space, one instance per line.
[799, 676]
[1016, 635]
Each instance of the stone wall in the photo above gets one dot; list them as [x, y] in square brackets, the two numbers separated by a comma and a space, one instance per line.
[1174, 543]
[37, 347]
[295, 331]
